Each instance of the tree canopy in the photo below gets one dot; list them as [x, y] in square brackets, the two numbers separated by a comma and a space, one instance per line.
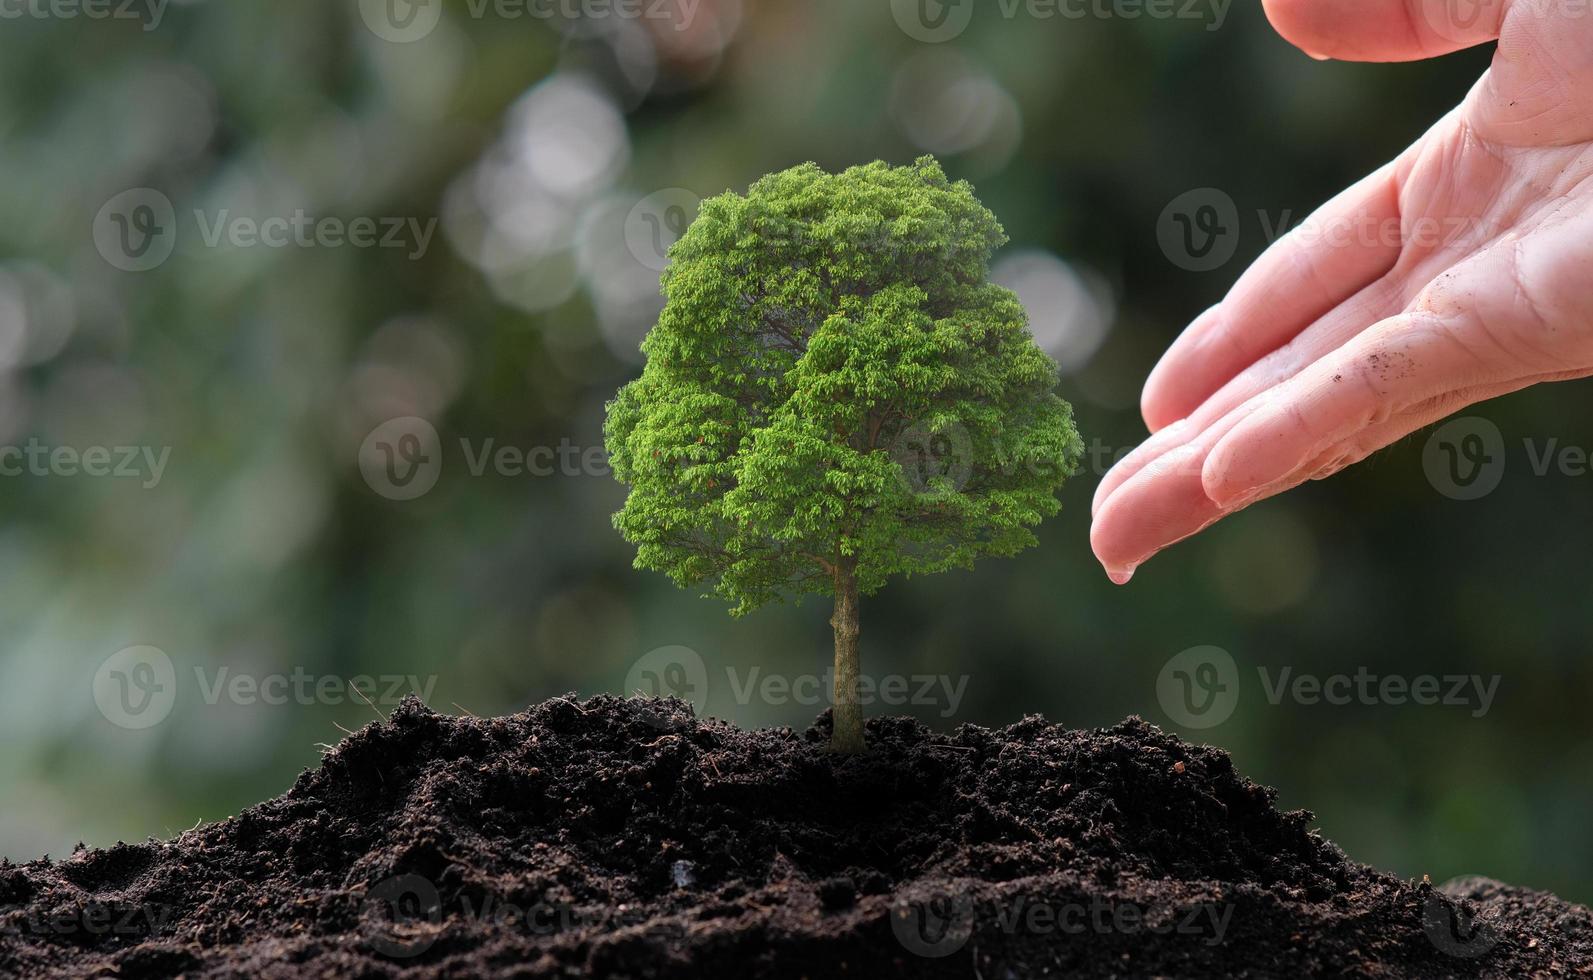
[835, 382]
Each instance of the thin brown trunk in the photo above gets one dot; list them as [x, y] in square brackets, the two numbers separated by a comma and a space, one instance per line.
[847, 713]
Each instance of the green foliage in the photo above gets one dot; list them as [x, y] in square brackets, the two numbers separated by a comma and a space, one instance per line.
[834, 382]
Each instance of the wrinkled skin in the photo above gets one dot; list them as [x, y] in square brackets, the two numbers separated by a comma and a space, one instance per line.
[1461, 271]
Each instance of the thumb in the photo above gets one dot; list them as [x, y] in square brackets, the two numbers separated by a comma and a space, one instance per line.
[1385, 30]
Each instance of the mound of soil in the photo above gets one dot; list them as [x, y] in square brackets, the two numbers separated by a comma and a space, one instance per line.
[626, 838]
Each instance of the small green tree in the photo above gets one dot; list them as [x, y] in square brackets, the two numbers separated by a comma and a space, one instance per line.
[836, 393]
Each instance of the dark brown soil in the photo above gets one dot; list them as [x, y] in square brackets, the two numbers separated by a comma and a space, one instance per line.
[625, 838]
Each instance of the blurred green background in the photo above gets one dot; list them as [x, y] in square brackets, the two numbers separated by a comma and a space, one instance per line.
[539, 144]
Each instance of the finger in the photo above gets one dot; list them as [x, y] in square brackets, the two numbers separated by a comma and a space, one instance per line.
[1362, 444]
[1410, 365]
[1166, 505]
[1161, 441]
[1163, 503]
[1374, 303]
[1385, 30]
[1348, 242]
[1495, 323]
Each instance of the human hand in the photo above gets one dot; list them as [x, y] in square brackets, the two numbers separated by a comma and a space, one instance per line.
[1461, 271]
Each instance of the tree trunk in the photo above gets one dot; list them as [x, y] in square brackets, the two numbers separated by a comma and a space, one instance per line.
[846, 714]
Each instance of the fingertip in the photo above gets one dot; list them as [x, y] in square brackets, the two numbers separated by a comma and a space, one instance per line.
[1291, 19]
[1220, 476]
[1224, 494]
[1103, 490]
[1214, 475]
[1101, 538]
[1181, 379]
[1251, 462]
[1307, 25]
[1156, 407]
[1096, 535]
[1383, 30]
[1104, 545]
[1158, 505]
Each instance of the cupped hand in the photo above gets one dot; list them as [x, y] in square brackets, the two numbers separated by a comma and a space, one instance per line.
[1461, 271]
